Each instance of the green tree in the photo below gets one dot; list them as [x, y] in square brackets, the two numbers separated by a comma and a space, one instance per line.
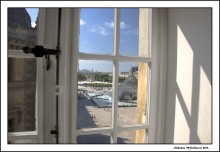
[81, 76]
[121, 79]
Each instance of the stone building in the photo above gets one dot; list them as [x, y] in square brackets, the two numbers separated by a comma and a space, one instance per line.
[21, 72]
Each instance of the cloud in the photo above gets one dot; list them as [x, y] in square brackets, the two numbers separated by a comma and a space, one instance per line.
[82, 22]
[123, 25]
[111, 24]
[33, 24]
[99, 29]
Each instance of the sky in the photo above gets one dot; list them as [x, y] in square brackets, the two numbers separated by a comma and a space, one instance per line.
[33, 12]
[97, 35]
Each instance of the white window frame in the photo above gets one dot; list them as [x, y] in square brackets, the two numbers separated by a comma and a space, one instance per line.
[72, 56]
[37, 134]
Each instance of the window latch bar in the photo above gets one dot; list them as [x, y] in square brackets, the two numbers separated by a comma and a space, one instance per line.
[40, 51]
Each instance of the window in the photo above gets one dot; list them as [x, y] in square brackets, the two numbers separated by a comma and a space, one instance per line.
[113, 88]
[117, 110]
[24, 85]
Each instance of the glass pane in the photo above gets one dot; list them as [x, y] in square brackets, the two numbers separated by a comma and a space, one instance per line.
[129, 31]
[21, 94]
[94, 139]
[94, 93]
[132, 94]
[96, 30]
[23, 141]
[134, 32]
[22, 27]
[131, 137]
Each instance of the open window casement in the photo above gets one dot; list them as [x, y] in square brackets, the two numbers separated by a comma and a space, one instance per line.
[31, 86]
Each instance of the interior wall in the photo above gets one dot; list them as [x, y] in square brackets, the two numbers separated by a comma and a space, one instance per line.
[189, 79]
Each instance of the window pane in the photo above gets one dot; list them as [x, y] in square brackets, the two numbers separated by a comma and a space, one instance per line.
[134, 32]
[94, 139]
[21, 94]
[22, 29]
[131, 137]
[96, 30]
[132, 94]
[129, 31]
[94, 94]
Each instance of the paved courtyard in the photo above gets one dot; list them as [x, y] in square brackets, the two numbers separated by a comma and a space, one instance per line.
[90, 116]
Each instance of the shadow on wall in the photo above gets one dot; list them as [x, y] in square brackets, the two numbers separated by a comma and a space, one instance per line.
[189, 89]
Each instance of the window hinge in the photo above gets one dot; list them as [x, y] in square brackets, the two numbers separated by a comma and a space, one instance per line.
[55, 132]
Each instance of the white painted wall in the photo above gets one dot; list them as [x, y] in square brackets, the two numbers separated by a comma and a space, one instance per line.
[189, 82]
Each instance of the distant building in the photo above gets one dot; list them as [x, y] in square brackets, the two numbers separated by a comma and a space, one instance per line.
[124, 74]
[21, 72]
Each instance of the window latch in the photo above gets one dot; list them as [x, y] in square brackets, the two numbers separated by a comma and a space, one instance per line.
[55, 132]
[40, 51]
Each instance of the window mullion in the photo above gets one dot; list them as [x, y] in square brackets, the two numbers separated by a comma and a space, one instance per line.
[86, 56]
[39, 83]
[115, 74]
[75, 14]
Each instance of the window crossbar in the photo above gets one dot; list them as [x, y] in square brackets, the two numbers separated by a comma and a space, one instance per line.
[108, 57]
[22, 135]
[19, 54]
[120, 128]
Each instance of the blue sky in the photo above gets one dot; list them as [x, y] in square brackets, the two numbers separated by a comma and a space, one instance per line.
[97, 33]
[33, 12]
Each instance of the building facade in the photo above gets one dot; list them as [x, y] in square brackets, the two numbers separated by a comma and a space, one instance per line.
[21, 72]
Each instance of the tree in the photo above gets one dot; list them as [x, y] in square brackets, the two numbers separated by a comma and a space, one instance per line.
[81, 76]
[121, 79]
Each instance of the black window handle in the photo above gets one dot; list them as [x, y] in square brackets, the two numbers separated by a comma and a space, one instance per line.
[40, 51]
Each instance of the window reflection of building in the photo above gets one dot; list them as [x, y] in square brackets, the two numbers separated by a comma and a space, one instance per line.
[21, 72]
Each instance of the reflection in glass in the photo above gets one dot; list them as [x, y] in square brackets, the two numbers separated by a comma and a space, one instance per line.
[21, 94]
[21, 71]
[22, 28]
